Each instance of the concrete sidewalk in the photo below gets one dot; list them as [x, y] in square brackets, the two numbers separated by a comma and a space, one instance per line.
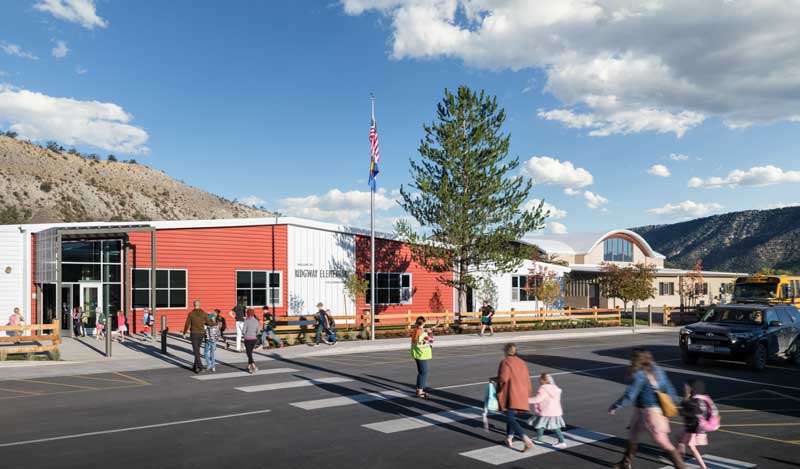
[86, 355]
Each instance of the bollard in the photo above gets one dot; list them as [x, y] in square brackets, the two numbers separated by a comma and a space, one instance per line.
[633, 317]
[649, 316]
[164, 332]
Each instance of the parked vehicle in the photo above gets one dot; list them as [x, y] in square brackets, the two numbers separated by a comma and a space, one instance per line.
[767, 289]
[753, 333]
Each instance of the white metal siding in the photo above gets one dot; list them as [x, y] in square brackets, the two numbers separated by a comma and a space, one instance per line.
[314, 255]
[12, 284]
[503, 284]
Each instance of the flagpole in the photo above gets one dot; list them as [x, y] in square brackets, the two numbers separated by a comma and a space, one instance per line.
[372, 245]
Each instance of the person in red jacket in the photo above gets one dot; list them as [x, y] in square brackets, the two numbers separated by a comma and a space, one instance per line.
[513, 392]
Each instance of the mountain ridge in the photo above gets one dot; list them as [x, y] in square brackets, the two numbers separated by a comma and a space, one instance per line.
[744, 241]
[44, 185]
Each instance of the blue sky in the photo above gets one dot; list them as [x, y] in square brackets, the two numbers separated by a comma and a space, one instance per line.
[269, 101]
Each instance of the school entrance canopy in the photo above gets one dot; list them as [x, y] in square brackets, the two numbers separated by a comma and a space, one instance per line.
[110, 244]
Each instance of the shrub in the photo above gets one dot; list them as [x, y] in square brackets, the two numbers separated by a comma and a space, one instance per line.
[46, 187]
[112, 158]
[11, 134]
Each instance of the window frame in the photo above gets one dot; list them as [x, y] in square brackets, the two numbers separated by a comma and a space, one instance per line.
[410, 288]
[169, 288]
[517, 292]
[666, 288]
[268, 288]
[617, 249]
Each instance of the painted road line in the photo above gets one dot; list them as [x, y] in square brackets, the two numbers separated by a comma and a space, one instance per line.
[500, 454]
[716, 462]
[130, 429]
[292, 384]
[242, 374]
[425, 420]
[348, 400]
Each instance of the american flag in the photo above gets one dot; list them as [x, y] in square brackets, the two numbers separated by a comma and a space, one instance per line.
[374, 153]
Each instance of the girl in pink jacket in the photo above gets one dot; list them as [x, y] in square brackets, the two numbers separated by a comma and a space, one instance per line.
[547, 407]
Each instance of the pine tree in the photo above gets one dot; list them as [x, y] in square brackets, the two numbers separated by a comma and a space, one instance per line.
[464, 195]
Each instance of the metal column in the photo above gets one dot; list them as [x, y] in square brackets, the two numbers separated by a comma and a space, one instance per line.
[153, 280]
[58, 286]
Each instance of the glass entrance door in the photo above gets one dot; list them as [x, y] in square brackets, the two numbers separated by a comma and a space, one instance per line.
[91, 299]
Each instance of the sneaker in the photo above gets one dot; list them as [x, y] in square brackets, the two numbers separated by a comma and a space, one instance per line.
[214, 369]
[332, 344]
[283, 344]
[561, 445]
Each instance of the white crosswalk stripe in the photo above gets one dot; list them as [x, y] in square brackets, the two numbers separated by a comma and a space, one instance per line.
[242, 374]
[349, 400]
[716, 462]
[499, 454]
[292, 384]
[425, 420]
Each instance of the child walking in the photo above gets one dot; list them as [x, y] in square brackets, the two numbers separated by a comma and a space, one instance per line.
[122, 327]
[212, 336]
[700, 416]
[100, 324]
[547, 407]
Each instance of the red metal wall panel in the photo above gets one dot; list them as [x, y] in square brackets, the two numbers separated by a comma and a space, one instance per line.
[211, 257]
[428, 294]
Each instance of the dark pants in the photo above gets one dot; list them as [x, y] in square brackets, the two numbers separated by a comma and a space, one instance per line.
[330, 335]
[513, 427]
[422, 373]
[197, 341]
[249, 345]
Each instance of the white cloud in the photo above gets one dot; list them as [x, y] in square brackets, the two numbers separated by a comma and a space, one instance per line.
[685, 209]
[82, 12]
[339, 206]
[645, 68]
[678, 157]
[594, 201]
[783, 205]
[16, 51]
[755, 176]
[556, 227]
[60, 50]
[555, 213]
[571, 191]
[80, 70]
[253, 201]
[36, 116]
[547, 170]
[659, 170]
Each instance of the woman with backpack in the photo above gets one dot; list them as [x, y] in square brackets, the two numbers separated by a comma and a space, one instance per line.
[652, 396]
[700, 416]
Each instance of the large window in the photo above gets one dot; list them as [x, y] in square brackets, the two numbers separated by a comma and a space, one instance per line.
[666, 288]
[95, 261]
[392, 288]
[523, 288]
[259, 287]
[171, 288]
[617, 250]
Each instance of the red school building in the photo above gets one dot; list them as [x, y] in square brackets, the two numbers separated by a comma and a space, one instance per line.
[288, 264]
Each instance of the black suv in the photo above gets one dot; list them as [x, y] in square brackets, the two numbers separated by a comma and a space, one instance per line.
[750, 332]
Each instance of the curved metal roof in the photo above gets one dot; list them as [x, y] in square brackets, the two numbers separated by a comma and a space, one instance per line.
[582, 243]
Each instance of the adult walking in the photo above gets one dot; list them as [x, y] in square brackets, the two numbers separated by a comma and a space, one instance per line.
[196, 321]
[237, 313]
[77, 314]
[513, 392]
[487, 313]
[422, 352]
[648, 379]
[250, 333]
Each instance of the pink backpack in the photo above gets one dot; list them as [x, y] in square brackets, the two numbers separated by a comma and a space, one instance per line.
[711, 420]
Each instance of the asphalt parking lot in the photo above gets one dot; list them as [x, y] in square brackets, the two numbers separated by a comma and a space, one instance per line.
[351, 410]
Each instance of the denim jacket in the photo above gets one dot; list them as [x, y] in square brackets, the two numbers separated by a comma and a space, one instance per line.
[640, 392]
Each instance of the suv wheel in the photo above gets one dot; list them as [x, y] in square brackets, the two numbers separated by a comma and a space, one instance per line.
[688, 357]
[795, 356]
[757, 360]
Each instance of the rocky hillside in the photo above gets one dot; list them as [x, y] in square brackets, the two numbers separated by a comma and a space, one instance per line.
[42, 185]
[738, 241]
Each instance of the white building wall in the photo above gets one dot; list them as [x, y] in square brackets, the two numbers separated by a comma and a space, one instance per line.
[319, 262]
[502, 283]
[12, 274]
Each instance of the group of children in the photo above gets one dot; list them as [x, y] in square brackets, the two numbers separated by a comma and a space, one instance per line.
[700, 414]
[100, 327]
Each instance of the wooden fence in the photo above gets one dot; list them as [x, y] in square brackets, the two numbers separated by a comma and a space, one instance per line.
[37, 335]
[398, 322]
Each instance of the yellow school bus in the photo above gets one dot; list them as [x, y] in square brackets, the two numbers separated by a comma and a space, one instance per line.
[767, 288]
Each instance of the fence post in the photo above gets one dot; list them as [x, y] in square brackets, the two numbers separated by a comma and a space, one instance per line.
[619, 316]
[513, 319]
[57, 333]
[633, 316]
[649, 316]
[408, 319]
[446, 321]
[665, 319]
